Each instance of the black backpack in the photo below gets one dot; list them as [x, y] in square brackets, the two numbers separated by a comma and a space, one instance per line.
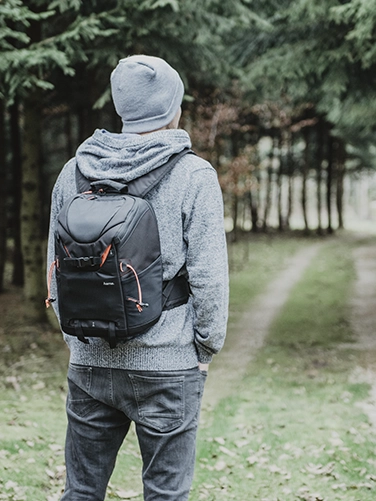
[108, 260]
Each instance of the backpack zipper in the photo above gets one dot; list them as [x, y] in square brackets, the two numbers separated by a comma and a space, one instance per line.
[139, 303]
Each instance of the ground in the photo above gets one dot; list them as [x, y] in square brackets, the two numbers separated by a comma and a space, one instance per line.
[30, 360]
[250, 331]
[363, 320]
[249, 334]
[252, 328]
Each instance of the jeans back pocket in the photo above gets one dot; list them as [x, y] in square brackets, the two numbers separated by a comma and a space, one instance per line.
[160, 401]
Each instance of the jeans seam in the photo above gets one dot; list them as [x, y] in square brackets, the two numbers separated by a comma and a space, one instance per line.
[88, 379]
[111, 385]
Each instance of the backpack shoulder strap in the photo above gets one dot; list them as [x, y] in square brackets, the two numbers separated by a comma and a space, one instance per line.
[82, 182]
[141, 186]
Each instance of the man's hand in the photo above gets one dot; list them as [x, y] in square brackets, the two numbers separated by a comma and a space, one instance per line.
[203, 367]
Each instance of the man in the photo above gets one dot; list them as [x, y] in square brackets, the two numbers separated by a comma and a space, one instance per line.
[156, 379]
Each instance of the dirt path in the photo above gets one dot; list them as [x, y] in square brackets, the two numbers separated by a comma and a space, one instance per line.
[248, 335]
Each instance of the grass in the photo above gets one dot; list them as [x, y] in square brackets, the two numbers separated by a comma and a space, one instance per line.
[316, 312]
[253, 263]
[294, 430]
[294, 439]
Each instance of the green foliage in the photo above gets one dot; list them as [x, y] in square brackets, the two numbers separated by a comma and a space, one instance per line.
[360, 20]
[319, 52]
[41, 38]
[22, 62]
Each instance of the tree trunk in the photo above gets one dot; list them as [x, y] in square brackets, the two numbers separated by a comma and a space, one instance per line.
[268, 189]
[268, 197]
[235, 210]
[340, 174]
[320, 157]
[68, 134]
[290, 170]
[31, 213]
[329, 182]
[290, 200]
[305, 171]
[281, 222]
[87, 116]
[3, 193]
[18, 267]
[254, 211]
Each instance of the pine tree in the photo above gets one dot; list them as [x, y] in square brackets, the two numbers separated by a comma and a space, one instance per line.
[320, 53]
[72, 46]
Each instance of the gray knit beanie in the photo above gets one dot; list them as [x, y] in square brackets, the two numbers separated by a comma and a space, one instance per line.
[147, 93]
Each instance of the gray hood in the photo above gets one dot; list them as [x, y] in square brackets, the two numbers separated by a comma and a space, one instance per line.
[124, 157]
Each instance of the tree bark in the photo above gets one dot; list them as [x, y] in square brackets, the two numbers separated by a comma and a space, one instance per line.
[329, 182]
[281, 221]
[290, 170]
[68, 134]
[340, 174]
[320, 157]
[268, 189]
[268, 197]
[234, 213]
[3, 192]
[18, 268]
[31, 213]
[87, 116]
[305, 171]
[254, 211]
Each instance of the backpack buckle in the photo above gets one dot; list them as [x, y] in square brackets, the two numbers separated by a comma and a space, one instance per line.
[83, 262]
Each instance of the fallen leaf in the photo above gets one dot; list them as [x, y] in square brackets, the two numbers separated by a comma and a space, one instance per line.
[13, 380]
[220, 465]
[220, 440]
[39, 386]
[10, 485]
[342, 487]
[275, 469]
[50, 473]
[227, 451]
[55, 447]
[320, 469]
[252, 460]
[241, 443]
[127, 494]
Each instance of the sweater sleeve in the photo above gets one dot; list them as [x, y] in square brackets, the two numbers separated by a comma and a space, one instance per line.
[206, 262]
[65, 179]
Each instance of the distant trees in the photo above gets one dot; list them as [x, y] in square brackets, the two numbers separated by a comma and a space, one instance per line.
[268, 156]
[56, 58]
[36, 43]
[279, 97]
[314, 63]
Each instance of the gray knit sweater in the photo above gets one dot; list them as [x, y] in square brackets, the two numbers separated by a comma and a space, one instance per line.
[189, 211]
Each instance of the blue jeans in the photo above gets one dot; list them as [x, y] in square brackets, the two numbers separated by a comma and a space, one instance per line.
[101, 405]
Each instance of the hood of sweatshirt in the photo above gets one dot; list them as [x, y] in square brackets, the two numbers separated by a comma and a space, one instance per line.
[125, 157]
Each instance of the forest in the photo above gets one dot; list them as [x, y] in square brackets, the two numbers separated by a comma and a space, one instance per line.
[279, 97]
